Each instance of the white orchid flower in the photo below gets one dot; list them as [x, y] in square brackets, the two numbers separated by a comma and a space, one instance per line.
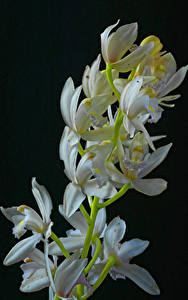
[80, 186]
[26, 218]
[163, 66]
[115, 45]
[136, 162]
[75, 238]
[95, 81]
[35, 276]
[135, 104]
[79, 118]
[114, 233]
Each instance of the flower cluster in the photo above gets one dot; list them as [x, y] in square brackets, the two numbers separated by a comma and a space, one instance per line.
[106, 150]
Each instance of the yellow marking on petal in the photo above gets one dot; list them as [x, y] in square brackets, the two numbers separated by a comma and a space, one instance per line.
[162, 68]
[104, 143]
[97, 171]
[93, 114]
[151, 108]
[129, 174]
[87, 102]
[21, 208]
[21, 223]
[123, 137]
[157, 44]
[138, 149]
[27, 260]
[136, 160]
[103, 71]
[150, 92]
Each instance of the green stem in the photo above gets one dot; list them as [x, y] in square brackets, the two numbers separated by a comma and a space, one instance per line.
[131, 75]
[81, 150]
[97, 242]
[112, 260]
[84, 213]
[117, 127]
[94, 211]
[110, 80]
[121, 192]
[59, 243]
[56, 297]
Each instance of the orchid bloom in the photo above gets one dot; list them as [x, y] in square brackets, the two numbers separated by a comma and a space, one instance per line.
[135, 104]
[163, 67]
[79, 118]
[95, 81]
[25, 218]
[80, 185]
[35, 276]
[115, 45]
[136, 162]
[114, 233]
[75, 238]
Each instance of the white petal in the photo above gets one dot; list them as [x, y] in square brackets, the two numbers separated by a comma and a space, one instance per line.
[93, 73]
[129, 127]
[95, 272]
[150, 187]
[73, 106]
[68, 151]
[91, 188]
[99, 134]
[130, 61]
[65, 102]
[113, 235]
[129, 93]
[121, 41]
[100, 221]
[155, 159]
[84, 169]
[85, 82]
[22, 249]
[72, 199]
[115, 175]
[131, 249]
[77, 220]
[140, 276]
[71, 244]
[29, 268]
[43, 200]
[175, 81]
[35, 282]
[104, 41]
[67, 274]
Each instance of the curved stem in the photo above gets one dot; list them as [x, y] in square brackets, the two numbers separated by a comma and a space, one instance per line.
[84, 213]
[121, 192]
[59, 243]
[94, 211]
[97, 242]
[110, 80]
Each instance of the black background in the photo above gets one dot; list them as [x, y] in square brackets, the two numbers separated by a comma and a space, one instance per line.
[42, 44]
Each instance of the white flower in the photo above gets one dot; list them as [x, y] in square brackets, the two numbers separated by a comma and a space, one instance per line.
[75, 238]
[24, 217]
[80, 186]
[35, 276]
[95, 81]
[79, 118]
[135, 104]
[136, 162]
[124, 253]
[115, 45]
